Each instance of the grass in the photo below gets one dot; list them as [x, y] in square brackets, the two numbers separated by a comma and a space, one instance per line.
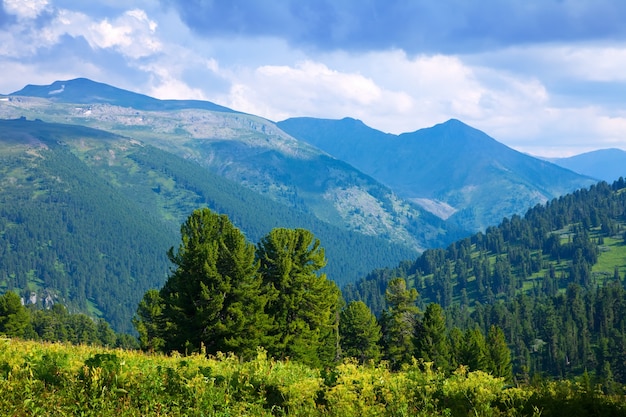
[52, 379]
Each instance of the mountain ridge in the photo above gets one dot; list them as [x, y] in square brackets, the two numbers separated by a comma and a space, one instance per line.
[256, 153]
[603, 164]
[450, 164]
[86, 91]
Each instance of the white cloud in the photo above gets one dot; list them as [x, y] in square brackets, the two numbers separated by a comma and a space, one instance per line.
[594, 63]
[308, 89]
[519, 95]
[25, 9]
[132, 34]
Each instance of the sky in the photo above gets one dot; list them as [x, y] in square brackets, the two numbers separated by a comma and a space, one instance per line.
[545, 77]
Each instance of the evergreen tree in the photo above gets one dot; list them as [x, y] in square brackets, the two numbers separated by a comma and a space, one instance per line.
[432, 341]
[359, 332]
[303, 304]
[473, 352]
[149, 321]
[213, 298]
[499, 355]
[14, 318]
[399, 323]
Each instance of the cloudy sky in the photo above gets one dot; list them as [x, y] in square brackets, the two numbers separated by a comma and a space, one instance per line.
[547, 77]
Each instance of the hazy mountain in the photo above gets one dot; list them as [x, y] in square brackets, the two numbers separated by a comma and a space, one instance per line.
[86, 218]
[451, 169]
[603, 164]
[85, 91]
[246, 149]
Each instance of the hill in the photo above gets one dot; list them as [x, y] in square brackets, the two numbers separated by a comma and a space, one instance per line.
[86, 218]
[553, 280]
[245, 149]
[452, 169]
[603, 164]
[85, 91]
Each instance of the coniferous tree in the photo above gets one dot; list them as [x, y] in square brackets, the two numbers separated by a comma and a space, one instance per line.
[399, 322]
[149, 321]
[302, 303]
[359, 332]
[213, 299]
[473, 352]
[14, 318]
[432, 341]
[499, 354]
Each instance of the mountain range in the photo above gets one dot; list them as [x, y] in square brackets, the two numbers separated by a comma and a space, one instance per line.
[451, 169]
[604, 164]
[372, 198]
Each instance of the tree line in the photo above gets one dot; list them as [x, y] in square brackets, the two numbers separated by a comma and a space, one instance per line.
[57, 324]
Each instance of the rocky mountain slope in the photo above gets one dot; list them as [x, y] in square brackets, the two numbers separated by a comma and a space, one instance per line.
[451, 169]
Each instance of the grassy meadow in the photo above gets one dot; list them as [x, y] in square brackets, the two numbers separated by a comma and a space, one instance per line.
[51, 379]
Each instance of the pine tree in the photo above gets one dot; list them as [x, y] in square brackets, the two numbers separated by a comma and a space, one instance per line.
[303, 304]
[14, 318]
[473, 352]
[149, 321]
[432, 341]
[399, 323]
[499, 354]
[359, 332]
[213, 299]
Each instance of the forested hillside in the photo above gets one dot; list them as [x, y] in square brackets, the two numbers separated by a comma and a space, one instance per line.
[553, 280]
[86, 218]
[68, 236]
[246, 149]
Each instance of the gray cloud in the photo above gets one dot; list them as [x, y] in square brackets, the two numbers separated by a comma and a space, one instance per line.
[413, 25]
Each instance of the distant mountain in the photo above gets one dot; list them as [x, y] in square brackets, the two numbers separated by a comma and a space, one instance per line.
[86, 218]
[249, 150]
[85, 91]
[604, 164]
[452, 169]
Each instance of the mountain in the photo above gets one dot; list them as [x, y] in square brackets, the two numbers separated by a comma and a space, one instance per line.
[452, 169]
[552, 280]
[246, 149]
[85, 91]
[603, 164]
[86, 218]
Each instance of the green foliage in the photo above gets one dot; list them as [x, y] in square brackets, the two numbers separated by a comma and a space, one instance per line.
[551, 280]
[213, 299]
[499, 354]
[359, 333]
[303, 304]
[149, 321]
[56, 379]
[399, 323]
[68, 236]
[14, 319]
[432, 340]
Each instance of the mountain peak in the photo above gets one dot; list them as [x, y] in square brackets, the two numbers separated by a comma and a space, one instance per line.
[86, 91]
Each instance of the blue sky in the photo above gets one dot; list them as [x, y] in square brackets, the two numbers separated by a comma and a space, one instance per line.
[547, 77]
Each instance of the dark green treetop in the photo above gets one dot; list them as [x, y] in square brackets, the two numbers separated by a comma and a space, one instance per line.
[213, 299]
[303, 304]
[359, 332]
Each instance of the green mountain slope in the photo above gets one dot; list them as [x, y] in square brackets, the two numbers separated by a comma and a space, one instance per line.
[456, 171]
[553, 280]
[69, 236]
[248, 150]
[87, 217]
